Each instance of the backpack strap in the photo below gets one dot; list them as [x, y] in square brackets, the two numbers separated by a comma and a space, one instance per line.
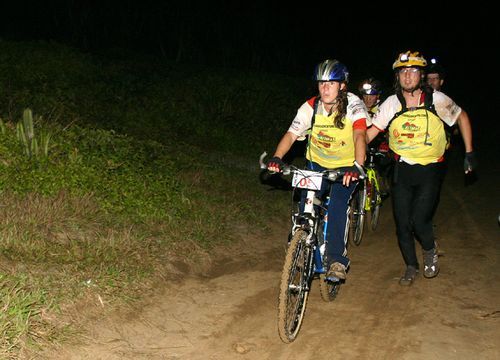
[315, 110]
[429, 100]
[314, 102]
[428, 103]
[402, 100]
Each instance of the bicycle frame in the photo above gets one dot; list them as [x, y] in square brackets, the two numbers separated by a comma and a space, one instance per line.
[310, 181]
[366, 200]
[315, 215]
[305, 254]
[371, 178]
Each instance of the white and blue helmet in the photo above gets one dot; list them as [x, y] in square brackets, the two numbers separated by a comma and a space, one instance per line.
[331, 70]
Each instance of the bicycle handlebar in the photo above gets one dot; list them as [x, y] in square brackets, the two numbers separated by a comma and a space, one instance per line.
[331, 175]
[376, 152]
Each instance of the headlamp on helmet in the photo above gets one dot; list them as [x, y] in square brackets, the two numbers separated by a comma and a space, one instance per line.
[409, 59]
[435, 68]
[370, 87]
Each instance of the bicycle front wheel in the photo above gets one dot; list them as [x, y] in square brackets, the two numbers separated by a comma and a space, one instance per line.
[294, 287]
[357, 216]
[375, 201]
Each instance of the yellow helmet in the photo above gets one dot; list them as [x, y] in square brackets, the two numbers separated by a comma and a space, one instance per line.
[409, 59]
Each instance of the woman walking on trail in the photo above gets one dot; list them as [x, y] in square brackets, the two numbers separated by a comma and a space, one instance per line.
[415, 117]
[336, 123]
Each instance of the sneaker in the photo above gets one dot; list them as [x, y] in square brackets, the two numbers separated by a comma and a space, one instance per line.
[431, 266]
[439, 251]
[409, 277]
[337, 271]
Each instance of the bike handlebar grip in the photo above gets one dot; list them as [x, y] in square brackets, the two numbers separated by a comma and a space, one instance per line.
[335, 175]
[261, 160]
[362, 173]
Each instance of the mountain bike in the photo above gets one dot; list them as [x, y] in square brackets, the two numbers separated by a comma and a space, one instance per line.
[306, 253]
[366, 199]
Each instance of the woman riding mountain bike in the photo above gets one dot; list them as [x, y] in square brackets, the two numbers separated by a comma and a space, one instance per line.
[336, 122]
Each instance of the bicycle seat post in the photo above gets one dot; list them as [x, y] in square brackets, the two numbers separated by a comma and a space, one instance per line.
[370, 159]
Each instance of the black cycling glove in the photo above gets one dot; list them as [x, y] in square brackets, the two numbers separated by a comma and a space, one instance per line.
[470, 162]
[356, 171]
[275, 164]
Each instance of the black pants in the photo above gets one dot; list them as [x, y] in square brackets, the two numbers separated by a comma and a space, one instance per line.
[415, 194]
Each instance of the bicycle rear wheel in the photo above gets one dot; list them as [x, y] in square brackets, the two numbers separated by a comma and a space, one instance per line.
[294, 287]
[357, 216]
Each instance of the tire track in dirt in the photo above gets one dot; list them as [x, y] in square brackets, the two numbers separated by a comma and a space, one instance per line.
[231, 312]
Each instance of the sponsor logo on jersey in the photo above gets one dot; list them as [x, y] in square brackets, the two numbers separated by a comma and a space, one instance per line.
[408, 126]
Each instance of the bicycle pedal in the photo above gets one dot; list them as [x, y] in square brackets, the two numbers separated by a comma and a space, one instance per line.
[332, 279]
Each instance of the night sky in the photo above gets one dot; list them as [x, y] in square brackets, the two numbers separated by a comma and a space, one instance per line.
[277, 37]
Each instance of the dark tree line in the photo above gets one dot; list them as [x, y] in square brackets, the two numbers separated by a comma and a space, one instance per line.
[262, 35]
[251, 34]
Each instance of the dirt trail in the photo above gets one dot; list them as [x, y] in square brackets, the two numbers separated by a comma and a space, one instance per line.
[231, 313]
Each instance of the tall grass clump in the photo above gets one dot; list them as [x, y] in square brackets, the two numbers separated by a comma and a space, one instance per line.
[34, 145]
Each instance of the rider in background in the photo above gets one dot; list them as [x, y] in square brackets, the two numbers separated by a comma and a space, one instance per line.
[435, 74]
[415, 117]
[371, 91]
[336, 122]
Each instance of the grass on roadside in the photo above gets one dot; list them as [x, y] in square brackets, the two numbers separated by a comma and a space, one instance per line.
[131, 170]
[99, 221]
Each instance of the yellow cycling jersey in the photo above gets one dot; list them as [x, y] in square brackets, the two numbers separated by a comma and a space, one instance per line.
[418, 135]
[330, 146]
[373, 110]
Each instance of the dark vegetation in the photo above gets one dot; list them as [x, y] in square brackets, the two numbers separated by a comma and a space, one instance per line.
[138, 163]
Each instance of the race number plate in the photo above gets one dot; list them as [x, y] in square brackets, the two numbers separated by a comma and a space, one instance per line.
[307, 180]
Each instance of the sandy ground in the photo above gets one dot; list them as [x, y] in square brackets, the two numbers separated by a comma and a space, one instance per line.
[231, 312]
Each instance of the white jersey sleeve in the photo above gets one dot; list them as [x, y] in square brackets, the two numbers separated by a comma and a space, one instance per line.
[385, 112]
[302, 121]
[356, 109]
[446, 108]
